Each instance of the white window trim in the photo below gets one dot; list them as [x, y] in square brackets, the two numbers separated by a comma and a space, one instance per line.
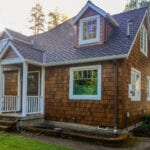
[141, 48]
[148, 98]
[6, 39]
[85, 97]
[81, 41]
[39, 83]
[136, 98]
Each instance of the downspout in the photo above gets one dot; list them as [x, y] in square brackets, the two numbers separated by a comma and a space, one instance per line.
[115, 95]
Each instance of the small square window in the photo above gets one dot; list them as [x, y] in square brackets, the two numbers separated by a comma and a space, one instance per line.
[85, 82]
[89, 30]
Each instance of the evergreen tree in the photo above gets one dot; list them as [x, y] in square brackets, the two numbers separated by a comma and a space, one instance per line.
[133, 4]
[55, 18]
[37, 19]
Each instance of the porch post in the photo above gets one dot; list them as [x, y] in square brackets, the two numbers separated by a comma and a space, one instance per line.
[42, 89]
[1, 87]
[19, 91]
[24, 89]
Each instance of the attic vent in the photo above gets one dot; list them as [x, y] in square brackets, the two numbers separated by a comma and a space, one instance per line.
[129, 22]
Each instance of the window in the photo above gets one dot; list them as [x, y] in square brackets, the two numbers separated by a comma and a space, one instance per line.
[89, 30]
[148, 88]
[143, 40]
[136, 84]
[85, 83]
[33, 83]
[3, 44]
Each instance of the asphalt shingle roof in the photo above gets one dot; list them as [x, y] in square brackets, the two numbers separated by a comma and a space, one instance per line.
[58, 43]
[28, 52]
[18, 35]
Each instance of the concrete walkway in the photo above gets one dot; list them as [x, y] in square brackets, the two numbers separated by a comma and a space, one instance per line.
[77, 145]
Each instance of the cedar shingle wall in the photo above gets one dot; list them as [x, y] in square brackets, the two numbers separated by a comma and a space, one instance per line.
[140, 62]
[59, 107]
[10, 54]
[11, 83]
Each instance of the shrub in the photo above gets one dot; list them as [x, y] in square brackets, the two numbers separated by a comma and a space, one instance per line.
[142, 130]
[147, 118]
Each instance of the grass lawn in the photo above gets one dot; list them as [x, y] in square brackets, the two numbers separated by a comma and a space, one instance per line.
[13, 142]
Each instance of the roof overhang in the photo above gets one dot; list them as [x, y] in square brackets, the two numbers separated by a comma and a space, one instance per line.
[96, 59]
[98, 10]
[10, 45]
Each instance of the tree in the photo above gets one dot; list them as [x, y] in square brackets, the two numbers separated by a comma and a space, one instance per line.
[133, 4]
[55, 18]
[37, 19]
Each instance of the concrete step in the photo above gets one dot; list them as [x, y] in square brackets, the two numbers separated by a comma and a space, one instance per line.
[7, 123]
[4, 128]
[8, 118]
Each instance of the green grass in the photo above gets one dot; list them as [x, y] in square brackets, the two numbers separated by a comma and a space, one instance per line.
[13, 142]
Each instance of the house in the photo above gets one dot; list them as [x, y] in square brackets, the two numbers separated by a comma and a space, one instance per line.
[93, 69]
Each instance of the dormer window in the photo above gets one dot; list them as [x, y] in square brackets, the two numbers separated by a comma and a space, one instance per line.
[89, 30]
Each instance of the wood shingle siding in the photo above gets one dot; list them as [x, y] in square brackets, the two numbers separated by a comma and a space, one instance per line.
[10, 54]
[11, 83]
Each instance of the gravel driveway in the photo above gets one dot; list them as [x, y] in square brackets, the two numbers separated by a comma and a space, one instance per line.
[77, 145]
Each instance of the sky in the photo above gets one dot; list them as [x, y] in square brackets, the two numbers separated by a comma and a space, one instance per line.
[15, 14]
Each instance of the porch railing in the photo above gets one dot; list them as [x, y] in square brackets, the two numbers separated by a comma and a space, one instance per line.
[10, 103]
[34, 104]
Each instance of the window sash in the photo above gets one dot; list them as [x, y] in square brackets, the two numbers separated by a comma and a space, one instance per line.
[85, 76]
[91, 24]
[85, 81]
[143, 40]
[33, 83]
[136, 84]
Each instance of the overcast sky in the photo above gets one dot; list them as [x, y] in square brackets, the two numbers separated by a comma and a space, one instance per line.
[14, 14]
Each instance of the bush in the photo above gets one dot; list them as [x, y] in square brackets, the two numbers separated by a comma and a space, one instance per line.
[147, 118]
[144, 128]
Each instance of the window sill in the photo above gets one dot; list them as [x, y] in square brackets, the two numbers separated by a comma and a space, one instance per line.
[79, 97]
[135, 99]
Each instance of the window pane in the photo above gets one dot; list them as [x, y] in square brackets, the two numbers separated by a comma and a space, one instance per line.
[89, 29]
[135, 82]
[137, 86]
[33, 81]
[86, 85]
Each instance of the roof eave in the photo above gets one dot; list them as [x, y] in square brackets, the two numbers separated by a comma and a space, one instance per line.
[113, 57]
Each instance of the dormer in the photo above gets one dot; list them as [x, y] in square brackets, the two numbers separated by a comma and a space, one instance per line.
[92, 26]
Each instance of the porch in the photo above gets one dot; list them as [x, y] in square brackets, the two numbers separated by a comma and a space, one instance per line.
[21, 89]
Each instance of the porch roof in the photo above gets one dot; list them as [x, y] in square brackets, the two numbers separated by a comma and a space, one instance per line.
[28, 52]
[24, 51]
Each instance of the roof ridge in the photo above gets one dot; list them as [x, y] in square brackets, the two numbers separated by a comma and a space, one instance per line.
[129, 11]
[52, 28]
[31, 46]
[16, 32]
